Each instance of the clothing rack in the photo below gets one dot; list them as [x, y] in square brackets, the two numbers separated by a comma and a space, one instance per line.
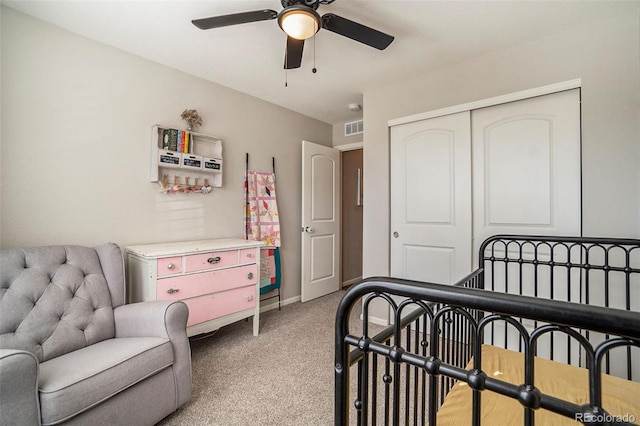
[274, 287]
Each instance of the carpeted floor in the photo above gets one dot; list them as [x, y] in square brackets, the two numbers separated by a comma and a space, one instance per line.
[284, 376]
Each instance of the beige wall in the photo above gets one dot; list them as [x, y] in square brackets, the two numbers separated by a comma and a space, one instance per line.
[606, 56]
[76, 128]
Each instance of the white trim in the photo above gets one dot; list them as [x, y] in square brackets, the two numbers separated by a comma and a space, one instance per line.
[274, 305]
[502, 99]
[350, 146]
[376, 320]
[351, 281]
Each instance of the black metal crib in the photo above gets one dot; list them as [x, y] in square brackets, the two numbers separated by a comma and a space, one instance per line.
[555, 304]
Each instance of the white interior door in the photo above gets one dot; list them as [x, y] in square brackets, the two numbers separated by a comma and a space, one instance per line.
[526, 167]
[431, 199]
[320, 220]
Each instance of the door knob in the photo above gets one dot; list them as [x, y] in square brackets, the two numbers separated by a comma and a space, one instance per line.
[396, 235]
[308, 230]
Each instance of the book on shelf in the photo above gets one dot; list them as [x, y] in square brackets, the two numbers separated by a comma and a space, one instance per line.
[165, 139]
[170, 139]
[183, 141]
[177, 140]
[187, 141]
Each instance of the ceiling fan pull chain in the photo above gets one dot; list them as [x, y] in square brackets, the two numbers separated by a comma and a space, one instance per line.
[314, 69]
[286, 68]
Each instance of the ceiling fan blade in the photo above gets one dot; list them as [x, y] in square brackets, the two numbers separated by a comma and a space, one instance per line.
[235, 19]
[355, 31]
[293, 53]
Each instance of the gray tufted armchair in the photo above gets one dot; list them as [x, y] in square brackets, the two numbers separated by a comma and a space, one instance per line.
[72, 352]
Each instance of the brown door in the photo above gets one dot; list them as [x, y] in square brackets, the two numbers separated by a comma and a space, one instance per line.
[352, 176]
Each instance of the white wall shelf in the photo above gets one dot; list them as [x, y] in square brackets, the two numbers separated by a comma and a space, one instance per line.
[203, 161]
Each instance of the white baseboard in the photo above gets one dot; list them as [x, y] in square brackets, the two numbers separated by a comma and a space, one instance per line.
[351, 281]
[378, 321]
[273, 303]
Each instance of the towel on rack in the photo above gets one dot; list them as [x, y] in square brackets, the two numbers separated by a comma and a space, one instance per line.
[261, 212]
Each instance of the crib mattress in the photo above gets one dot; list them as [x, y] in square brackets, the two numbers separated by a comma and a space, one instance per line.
[620, 397]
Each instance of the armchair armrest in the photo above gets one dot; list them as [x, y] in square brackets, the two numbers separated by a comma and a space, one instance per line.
[166, 319]
[151, 319]
[19, 403]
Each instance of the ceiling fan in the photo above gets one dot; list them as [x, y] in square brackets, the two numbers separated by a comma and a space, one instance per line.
[300, 21]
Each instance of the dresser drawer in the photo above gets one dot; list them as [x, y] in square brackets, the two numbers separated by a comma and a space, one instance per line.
[218, 259]
[211, 306]
[169, 266]
[185, 286]
[248, 255]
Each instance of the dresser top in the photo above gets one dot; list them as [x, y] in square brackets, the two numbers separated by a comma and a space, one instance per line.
[189, 247]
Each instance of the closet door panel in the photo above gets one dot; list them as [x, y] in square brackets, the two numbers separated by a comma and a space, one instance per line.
[431, 199]
[518, 180]
[527, 181]
[526, 167]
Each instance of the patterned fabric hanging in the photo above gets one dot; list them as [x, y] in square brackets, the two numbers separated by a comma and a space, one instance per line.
[261, 212]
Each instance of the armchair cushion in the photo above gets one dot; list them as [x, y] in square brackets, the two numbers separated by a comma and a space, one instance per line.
[75, 382]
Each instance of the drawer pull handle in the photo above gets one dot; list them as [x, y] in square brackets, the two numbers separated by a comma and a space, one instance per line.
[173, 290]
[249, 255]
[249, 298]
[170, 266]
[213, 260]
[250, 275]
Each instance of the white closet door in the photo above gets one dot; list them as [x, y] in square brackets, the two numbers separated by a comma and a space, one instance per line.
[431, 199]
[526, 180]
[526, 167]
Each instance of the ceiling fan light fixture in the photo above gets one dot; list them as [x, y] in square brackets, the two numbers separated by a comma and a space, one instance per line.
[299, 22]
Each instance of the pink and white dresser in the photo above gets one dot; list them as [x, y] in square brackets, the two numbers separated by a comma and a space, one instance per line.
[217, 279]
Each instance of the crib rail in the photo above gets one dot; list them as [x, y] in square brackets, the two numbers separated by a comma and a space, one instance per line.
[583, 309]
[590, 271]
[594, 271]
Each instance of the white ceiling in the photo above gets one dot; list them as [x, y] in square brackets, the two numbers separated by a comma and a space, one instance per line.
[249, 57]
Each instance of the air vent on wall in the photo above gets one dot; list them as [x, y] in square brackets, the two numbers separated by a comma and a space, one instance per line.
[353, 128]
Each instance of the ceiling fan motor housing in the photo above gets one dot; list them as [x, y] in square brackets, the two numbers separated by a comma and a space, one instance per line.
[309, 3]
